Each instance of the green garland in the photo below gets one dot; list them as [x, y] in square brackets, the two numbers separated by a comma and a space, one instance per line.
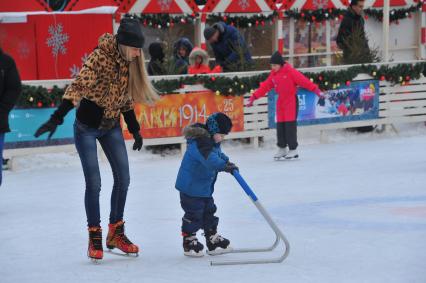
[317, 16]
[163, 21]
[243, 21]
[321, 15]
[399, 74]
[395, 14]
[326, 80]
[38, 97]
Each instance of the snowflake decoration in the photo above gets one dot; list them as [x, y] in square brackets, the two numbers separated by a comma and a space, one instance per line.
[244, 4]
[84, 58]
[164, 4]
[57, 39]
[23, 49]
[320, 4]
[75, 70]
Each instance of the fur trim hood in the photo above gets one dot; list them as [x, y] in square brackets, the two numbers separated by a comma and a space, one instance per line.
[198, 52]
[196, 131]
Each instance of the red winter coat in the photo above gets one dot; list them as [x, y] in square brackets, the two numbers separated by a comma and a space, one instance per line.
[203, 69]
[285, 82]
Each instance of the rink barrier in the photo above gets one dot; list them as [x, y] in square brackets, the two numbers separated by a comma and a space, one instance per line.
[397, 104]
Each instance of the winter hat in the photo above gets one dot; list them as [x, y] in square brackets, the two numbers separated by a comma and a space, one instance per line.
[276, 58]
[219, 123]
[185, 43]
[209, 32]
[130, 33]
[156, 51]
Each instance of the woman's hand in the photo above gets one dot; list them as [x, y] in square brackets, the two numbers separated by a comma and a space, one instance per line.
[48, 127]
[137, 145]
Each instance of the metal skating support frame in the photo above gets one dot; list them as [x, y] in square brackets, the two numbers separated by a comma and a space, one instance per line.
[278, 234]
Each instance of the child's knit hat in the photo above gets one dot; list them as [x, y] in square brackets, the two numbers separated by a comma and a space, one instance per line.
[219, 123]
[277, 58]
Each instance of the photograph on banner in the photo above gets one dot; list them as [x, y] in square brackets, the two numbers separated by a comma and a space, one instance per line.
[358, 101]
[173, 112]
[25, 122]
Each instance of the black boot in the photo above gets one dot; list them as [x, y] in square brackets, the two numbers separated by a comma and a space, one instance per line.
[191, 245]
[216, 244]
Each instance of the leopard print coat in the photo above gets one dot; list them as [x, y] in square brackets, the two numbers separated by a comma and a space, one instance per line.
[103, 80]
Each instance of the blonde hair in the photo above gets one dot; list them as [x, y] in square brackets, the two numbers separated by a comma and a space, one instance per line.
[140, 88]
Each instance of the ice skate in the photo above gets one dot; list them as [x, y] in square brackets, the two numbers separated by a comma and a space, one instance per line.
[95, 251]
[292, 154]
[117, 239]
[216, 244]
[282, 152]
[191, 246]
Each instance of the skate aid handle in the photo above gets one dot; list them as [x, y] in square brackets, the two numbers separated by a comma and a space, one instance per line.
[244, 185]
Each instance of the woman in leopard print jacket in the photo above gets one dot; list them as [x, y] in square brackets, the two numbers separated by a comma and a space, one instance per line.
[112, 79]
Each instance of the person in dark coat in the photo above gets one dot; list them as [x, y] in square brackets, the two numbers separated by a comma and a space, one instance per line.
[156, 64]
[10, 89]
[197, 175]
[351, 37]
[181, 50]
[229, 47]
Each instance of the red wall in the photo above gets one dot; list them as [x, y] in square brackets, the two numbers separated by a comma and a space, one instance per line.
[18, 40]
[28, 43]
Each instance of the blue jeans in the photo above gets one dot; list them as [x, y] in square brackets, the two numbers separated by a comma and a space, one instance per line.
[1, 154]
[112, 143]
[199, 214]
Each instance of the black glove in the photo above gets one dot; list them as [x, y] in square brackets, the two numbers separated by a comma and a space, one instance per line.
[230, 167]
[48, 127]
[138, 142]
[56, 119]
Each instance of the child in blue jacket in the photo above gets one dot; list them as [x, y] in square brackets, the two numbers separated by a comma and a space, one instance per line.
[197, 175]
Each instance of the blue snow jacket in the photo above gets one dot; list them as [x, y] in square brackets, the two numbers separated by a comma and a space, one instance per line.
[227, 50]
[201, 163]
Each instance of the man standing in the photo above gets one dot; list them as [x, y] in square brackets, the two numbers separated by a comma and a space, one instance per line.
[10, 89]
[352, 38]
[229, 47]
[353, 41]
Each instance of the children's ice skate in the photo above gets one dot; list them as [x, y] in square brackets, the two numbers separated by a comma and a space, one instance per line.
[191, 246]
[117, 239]
[292, 154]
[95, 251]
[216, 244]
[282, 152]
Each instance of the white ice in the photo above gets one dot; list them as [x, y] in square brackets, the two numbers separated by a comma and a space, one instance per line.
[353, 210]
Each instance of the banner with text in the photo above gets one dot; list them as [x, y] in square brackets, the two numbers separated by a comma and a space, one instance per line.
[173, 112]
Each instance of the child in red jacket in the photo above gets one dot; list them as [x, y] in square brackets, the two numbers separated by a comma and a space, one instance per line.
[285, 80]
[199, 63]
